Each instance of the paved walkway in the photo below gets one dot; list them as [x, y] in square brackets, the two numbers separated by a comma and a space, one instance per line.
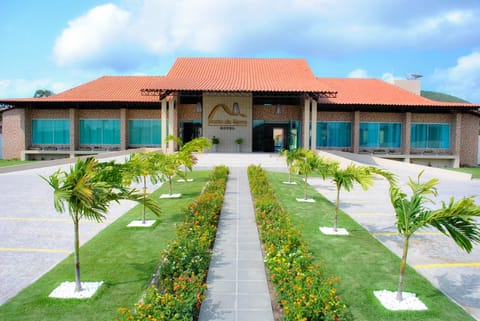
[237, 284]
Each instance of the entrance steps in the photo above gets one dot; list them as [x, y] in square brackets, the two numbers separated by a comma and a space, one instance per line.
[266, 160]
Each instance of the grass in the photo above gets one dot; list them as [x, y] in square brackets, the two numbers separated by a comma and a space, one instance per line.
[12, 162]
[361, 261]
[475, 171]
[124, 258]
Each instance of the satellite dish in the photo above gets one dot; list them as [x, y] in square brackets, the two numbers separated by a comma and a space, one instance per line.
[414, 76]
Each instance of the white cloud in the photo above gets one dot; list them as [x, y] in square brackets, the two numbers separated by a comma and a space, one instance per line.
[90, 35]
[358, 73]
[25, 88]
[144, 30]
[463, 79]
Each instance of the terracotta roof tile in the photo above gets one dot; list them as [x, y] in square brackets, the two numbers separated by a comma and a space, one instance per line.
[110, 88]
[358, 91]
[241, 74]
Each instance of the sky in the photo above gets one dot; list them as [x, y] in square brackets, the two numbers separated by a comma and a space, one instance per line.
[57, 45]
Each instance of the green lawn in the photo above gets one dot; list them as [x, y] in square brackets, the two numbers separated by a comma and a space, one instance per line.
[124, 258]
[361, 261]
[12, 162]
[475, 171]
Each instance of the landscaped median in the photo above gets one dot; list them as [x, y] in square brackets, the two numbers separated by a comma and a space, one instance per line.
[179, 285]
[125, 258]
[362, 264]
[303, 289]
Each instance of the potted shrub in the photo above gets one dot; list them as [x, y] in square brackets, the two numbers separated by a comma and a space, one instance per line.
[238, 141]
[215, 142]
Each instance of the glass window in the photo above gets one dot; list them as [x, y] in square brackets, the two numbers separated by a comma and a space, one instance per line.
[430, 136]
[380, 135]
[334, 134]
[100, 131]
[51, 131]
[144, 132]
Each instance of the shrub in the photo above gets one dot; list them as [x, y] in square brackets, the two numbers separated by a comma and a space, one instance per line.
[179, 287]
[302, 288]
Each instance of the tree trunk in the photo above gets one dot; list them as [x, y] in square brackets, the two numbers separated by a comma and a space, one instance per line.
[337, 203]
[170, 185]
[144, 196]
[403, 265]
[289, 175]
[76, 255]
[305, 187]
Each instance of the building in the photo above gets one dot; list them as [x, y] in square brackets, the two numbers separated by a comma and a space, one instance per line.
[272, 104]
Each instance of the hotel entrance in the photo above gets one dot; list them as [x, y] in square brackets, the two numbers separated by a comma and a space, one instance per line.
[271, 136]
[190, 129]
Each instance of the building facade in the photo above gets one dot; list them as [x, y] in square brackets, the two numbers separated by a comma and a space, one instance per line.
[271, 104]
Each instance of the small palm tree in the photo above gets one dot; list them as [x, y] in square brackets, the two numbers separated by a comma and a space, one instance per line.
[306, 162]
[167, 166]
[140, 167]
[455, 219]
[345, 178]
[186, 151]
[290, 156]
[85, 193]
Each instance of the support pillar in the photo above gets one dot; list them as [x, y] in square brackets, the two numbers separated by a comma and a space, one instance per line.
[356, 132]
[457, 145]
[163, 108]
[171, 122]
[306, 124]
[74, 139]
[123, 129]
[314, 125]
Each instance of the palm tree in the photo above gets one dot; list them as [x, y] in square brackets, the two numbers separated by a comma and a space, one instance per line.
[85, 193]
[140, 166]
[186, 157]
[306, 162]
[290, 157]
[167, 166]
[345, 178]
[455, 219]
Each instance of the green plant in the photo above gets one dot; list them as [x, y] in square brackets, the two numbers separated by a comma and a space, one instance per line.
[139, 167]
[178, 290]
[85, 193]
[457, 219]
[302, 287]
[185, 152]
[215, 140]
[239, 141]
[305, 162]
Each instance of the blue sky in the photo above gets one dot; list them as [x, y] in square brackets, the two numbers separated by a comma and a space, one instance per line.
[60, 44]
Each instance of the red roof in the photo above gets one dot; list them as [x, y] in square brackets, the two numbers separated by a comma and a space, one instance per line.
[241, 74]
[356, 91]
[110, 88]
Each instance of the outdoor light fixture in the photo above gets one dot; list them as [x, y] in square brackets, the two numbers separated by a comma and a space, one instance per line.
[278, 109]
[236, 108]
[199, 107]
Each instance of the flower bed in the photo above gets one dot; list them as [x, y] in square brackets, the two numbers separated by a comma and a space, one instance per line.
[302, 288]
[179, 284]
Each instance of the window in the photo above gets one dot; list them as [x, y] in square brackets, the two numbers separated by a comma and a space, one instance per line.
[380, 135]
[430, 136]
[334, 134]
[51, 131]
[144, 132]
[100, 131]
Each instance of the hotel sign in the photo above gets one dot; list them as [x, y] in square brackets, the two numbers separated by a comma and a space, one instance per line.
[222, 115]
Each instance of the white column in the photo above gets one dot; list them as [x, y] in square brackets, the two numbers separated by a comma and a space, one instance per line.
[356, 131]
[171, 122]
[163, 107]
[314, 125]
[457, 140]
[306, 124]
[123, 129]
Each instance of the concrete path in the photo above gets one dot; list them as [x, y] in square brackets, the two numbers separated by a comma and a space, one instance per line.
[237, 284]
[435, 256]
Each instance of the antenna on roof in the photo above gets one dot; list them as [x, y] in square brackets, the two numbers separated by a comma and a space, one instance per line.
[414, 76]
